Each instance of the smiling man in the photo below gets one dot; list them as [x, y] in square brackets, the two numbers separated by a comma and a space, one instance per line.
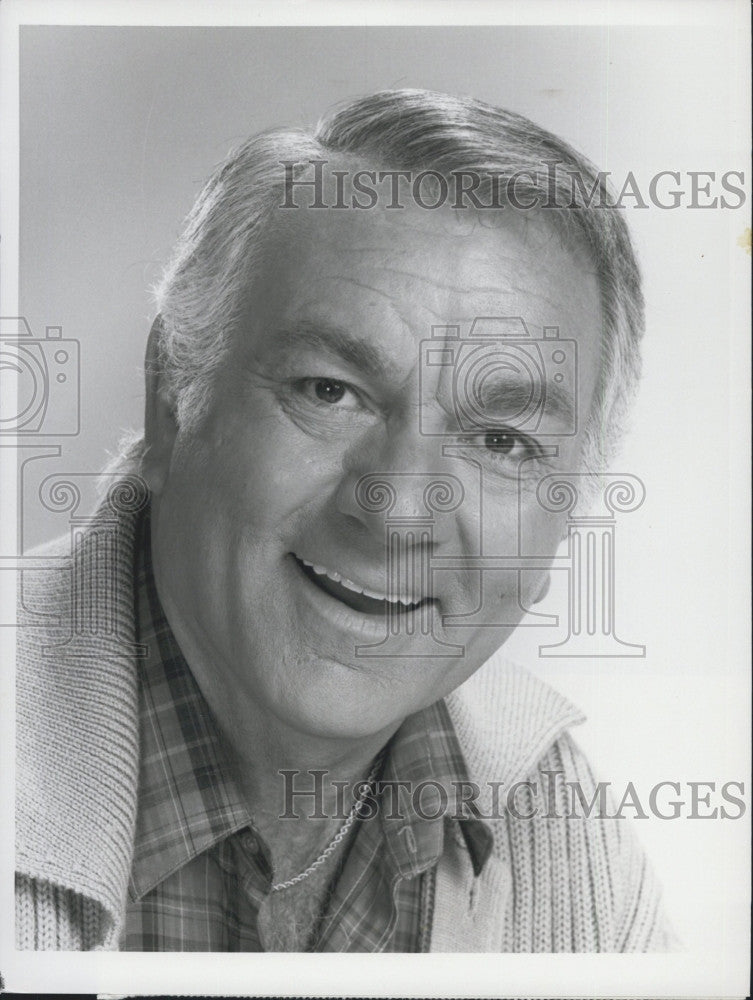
[350, 401]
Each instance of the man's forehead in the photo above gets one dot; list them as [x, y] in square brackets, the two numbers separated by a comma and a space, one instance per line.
[396, 232]
[439, 267]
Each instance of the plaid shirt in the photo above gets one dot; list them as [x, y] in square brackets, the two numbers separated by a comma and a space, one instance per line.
[200, 871]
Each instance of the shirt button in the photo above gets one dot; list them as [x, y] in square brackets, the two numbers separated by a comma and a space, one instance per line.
[250, 843]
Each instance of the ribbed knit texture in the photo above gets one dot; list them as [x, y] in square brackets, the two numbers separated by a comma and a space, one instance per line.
[551, 884]
[77, 734]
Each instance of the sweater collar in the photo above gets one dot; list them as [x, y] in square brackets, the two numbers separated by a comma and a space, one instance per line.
[506, 719]
[77, 708]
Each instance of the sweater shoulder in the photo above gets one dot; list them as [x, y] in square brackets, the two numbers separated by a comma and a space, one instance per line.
[506, 719]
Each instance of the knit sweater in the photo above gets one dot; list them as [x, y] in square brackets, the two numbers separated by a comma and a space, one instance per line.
[552, 884]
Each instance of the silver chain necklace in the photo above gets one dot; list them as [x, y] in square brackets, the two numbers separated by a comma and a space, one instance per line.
[341, 833]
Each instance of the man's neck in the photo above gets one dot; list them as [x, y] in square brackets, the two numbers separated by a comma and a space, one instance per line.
[298, 789]
[264, 766]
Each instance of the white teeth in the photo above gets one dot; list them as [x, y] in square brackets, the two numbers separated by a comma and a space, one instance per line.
[323, 571]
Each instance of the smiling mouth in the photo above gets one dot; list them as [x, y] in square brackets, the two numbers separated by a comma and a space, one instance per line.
[357, 598]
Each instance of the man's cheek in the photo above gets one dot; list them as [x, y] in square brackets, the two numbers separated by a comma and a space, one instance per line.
[539, 531]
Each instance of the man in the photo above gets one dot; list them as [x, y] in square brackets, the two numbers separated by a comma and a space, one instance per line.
[293, 593]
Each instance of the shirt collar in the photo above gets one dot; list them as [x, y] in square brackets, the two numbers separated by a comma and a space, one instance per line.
[188, 800]
[428, 774]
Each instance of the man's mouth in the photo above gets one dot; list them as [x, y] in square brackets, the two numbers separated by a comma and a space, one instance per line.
[355, 596]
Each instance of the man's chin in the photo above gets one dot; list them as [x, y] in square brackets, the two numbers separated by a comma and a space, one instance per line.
[344, 697]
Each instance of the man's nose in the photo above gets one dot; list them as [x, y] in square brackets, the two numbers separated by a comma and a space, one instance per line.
[402, 479]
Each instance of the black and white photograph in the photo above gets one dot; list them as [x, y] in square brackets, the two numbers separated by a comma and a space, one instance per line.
[375, 527]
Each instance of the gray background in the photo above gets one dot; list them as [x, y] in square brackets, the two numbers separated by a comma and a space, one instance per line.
[120, 126]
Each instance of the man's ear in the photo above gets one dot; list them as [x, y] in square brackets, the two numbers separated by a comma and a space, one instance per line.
[160, 424]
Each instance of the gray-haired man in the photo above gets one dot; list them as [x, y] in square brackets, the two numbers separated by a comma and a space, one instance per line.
[276, 615]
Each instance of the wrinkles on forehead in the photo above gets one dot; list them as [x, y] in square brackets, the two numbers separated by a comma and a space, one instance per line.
[380, 250]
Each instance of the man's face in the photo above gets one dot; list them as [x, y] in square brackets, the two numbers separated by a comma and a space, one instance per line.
[262, 536]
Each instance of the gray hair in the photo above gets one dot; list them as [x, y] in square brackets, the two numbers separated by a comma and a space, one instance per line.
[200, 296]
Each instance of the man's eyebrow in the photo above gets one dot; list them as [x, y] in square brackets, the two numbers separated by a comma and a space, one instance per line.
[337, 340]
[512, 392]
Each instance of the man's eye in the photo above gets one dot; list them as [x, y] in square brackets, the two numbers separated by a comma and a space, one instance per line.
[327, 393]
[501, 442]
[329, 390]
[505, 441]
